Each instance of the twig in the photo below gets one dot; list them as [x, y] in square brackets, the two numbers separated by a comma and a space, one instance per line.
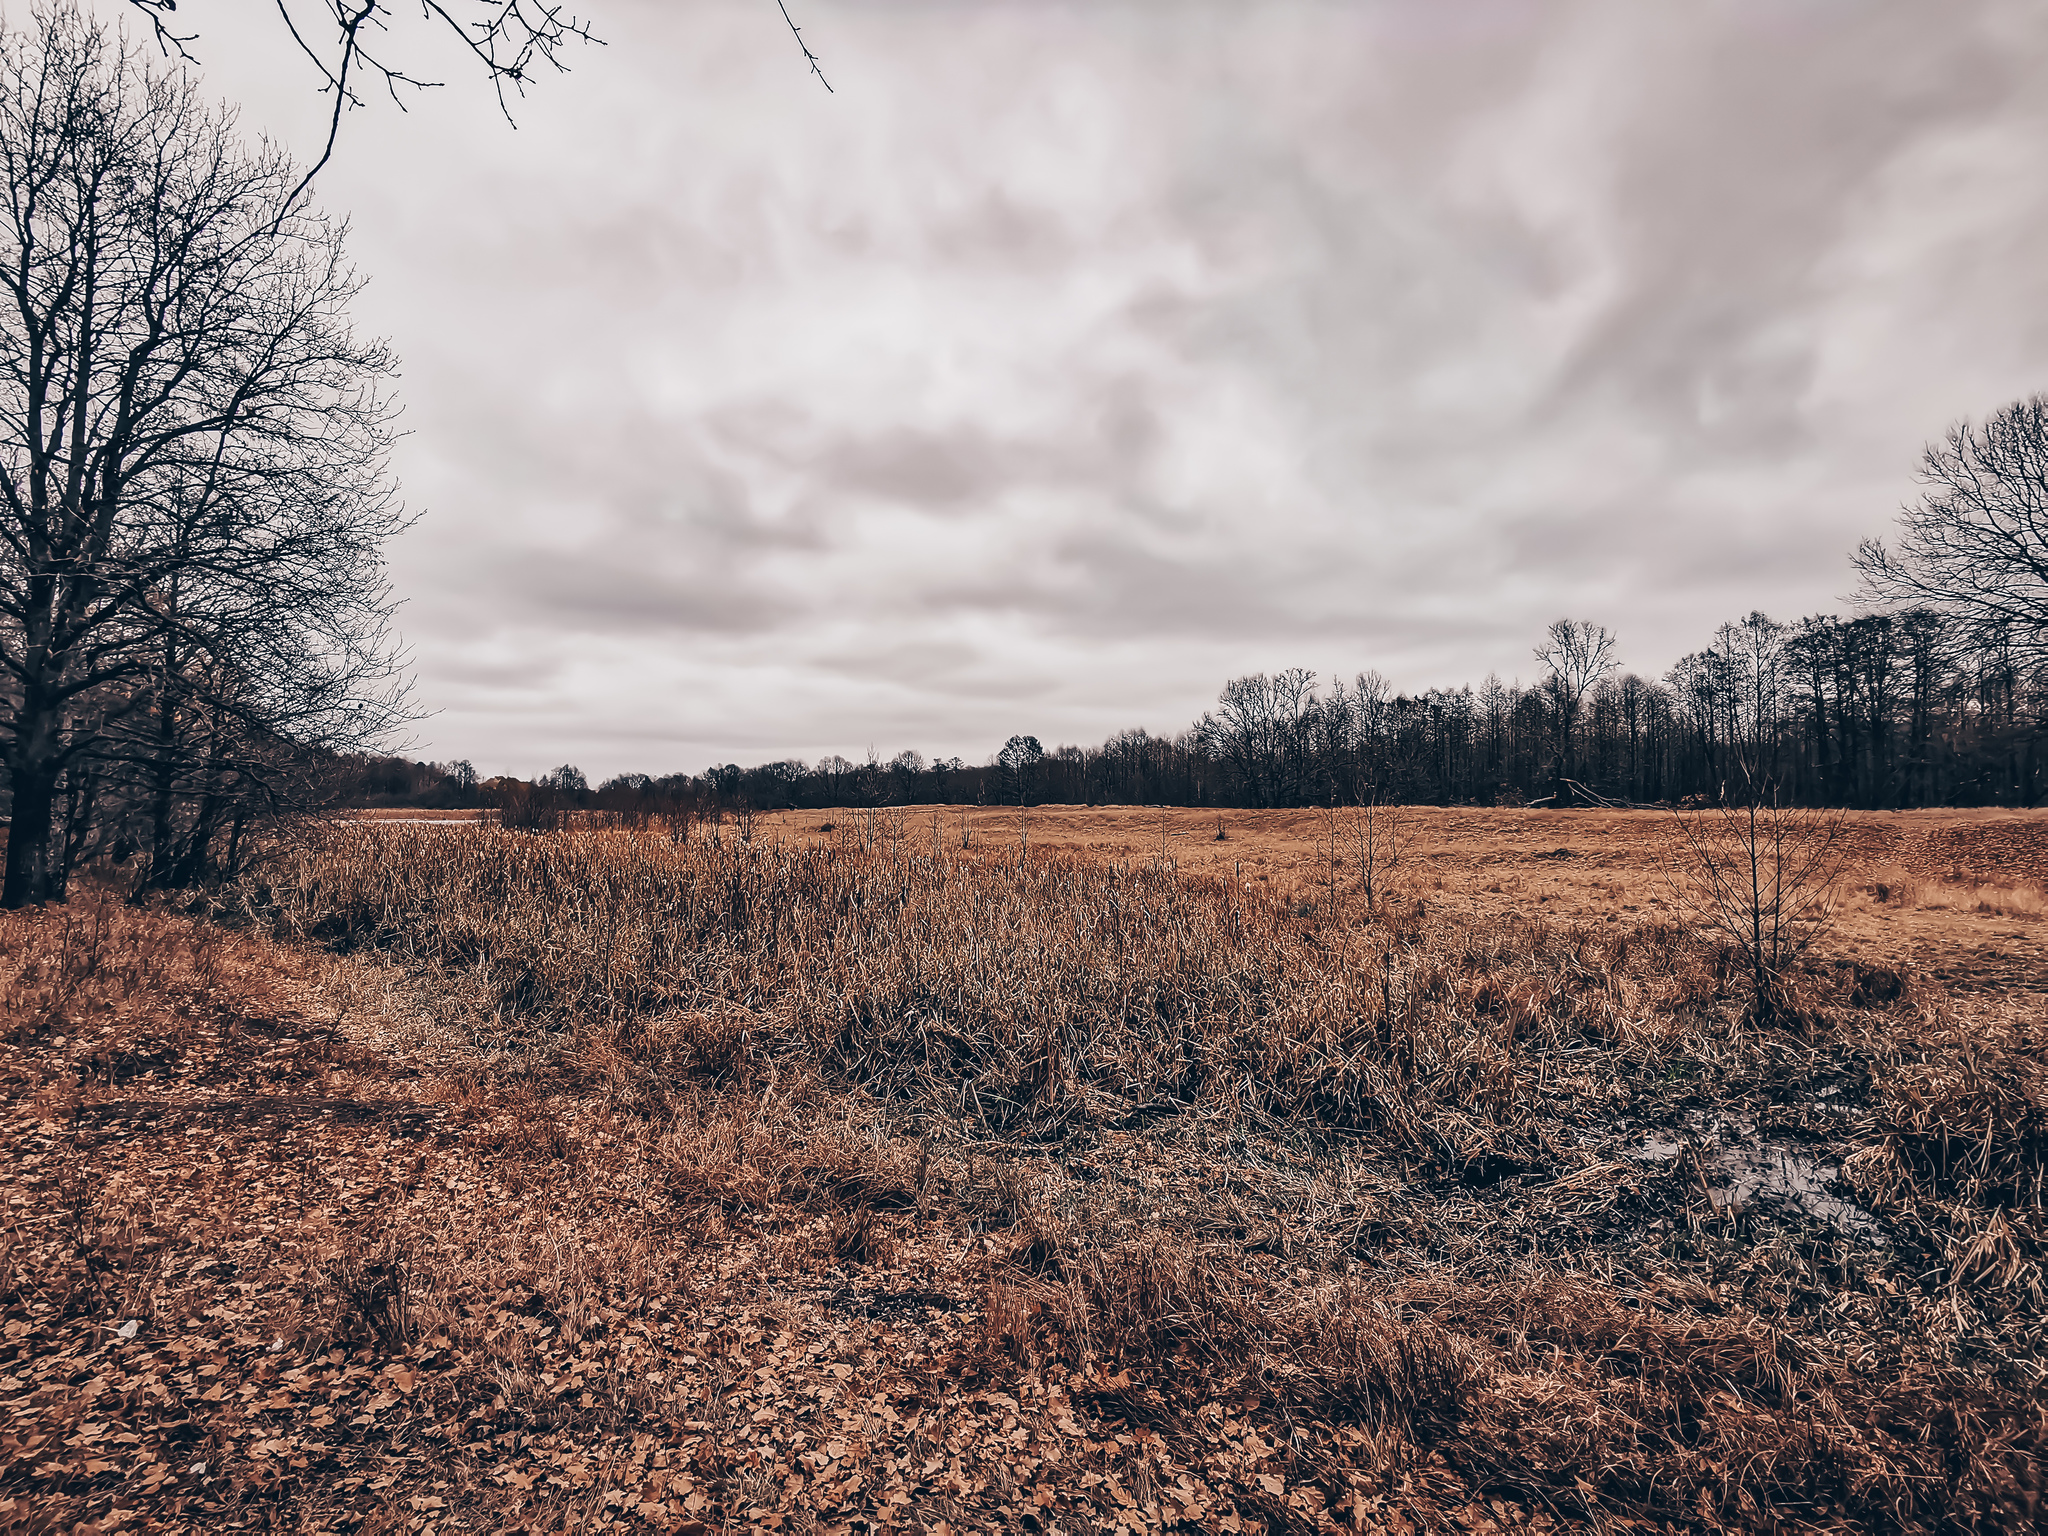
[810, 58]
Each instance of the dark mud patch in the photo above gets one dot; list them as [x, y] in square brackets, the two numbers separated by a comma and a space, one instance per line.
[1742, 1170]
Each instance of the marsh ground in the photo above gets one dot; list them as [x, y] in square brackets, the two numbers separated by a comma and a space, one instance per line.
[859, 1179]
[1960, 894]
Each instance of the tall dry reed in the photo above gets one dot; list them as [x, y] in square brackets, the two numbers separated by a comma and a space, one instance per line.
[1469, 1060]
[1003, 988]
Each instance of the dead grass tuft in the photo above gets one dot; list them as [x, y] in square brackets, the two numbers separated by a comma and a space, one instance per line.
[1956, 891]
[364, 1291]
[1365, 1365]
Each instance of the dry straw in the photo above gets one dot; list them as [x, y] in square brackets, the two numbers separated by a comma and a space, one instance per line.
[1511, 1284]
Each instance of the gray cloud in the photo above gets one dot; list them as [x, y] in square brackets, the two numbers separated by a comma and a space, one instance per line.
[1071, 359]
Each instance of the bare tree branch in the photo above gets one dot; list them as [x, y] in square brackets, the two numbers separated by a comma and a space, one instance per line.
[810, 58]
[510, 39]
[1975, 546]
[1578, 654]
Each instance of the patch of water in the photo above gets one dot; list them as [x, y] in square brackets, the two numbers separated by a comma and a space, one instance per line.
[1770, 1171]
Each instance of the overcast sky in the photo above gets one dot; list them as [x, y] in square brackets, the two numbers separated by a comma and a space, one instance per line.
[1065, 361]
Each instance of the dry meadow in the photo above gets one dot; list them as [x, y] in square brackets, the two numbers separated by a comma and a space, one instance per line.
[1059, 1170]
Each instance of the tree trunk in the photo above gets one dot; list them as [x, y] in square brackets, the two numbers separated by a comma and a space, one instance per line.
[163, 777]
[29, 879]
[234, 859]
[191, 861]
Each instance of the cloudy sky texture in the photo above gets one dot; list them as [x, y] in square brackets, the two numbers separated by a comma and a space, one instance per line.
[1067, 360]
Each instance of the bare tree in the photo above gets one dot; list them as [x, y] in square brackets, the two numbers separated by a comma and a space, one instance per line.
[1020, 754]
[195, 494]
[1256, 728]
[1578, 654]
[1733, 694]
[1376, 843]
[1371, 709]
[565, 780]
[1975, 546]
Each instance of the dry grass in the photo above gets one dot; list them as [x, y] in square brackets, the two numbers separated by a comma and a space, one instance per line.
[1350, 1093]
[1005, 995]
[1959, 891]
[1577, 866]
[1118, 1196]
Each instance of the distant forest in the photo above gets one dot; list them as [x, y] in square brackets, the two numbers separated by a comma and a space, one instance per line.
[1884, 711]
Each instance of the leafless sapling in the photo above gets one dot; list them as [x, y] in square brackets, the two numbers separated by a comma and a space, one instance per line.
[1761, 875]
[1375, 840]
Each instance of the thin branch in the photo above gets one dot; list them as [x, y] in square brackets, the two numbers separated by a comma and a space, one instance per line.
[170, 42]
[338, 83]
[810, 58]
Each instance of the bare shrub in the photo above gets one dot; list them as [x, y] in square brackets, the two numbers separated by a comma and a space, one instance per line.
[1762, 876]
[1375, 841]
[529, 808]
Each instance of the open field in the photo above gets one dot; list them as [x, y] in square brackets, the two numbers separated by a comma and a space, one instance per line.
[859, 1179]
[1961, 894]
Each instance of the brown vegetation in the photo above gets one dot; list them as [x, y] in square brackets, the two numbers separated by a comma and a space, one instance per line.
[1589, 866]
[862, 1178]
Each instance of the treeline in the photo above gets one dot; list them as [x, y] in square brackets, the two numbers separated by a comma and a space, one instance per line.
[1875, 712]
[1884, 711]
